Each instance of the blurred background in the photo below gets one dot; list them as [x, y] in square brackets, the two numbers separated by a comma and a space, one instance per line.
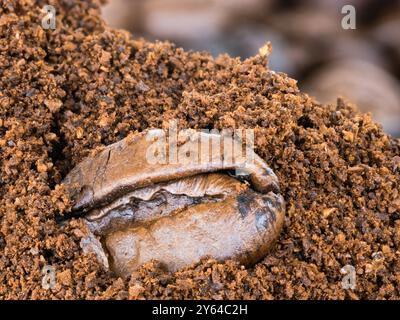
[309, 44]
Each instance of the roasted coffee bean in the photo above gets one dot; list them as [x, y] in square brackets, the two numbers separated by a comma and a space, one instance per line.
[176, 213]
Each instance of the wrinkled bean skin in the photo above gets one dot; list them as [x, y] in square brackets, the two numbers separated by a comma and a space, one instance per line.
[176, 214]
[122, 167]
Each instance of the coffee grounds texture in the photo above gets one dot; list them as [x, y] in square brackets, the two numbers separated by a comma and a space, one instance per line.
[68, 92]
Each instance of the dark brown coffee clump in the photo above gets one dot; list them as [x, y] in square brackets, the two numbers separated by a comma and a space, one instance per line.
[67, 92]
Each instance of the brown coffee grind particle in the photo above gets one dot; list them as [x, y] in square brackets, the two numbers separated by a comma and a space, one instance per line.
[48, 91]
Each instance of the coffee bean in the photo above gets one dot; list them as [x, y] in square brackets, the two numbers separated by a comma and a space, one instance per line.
[176, 213]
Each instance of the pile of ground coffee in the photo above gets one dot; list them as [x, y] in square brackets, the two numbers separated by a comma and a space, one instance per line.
[67, 92]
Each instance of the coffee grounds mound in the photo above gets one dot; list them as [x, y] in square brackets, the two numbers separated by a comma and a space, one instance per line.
[65, 93]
